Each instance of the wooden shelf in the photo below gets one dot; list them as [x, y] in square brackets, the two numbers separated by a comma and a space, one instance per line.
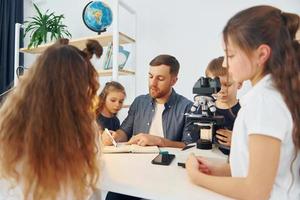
[121, 72]
[104, 39]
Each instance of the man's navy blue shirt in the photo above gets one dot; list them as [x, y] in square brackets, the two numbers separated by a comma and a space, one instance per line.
[142, 110]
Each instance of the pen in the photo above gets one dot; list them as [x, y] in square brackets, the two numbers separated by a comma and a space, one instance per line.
[187, 147]
[181, 164]
[111, 137]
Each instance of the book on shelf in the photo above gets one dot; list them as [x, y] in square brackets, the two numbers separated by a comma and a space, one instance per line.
[108, 57]
[122, 57]
[130, 148]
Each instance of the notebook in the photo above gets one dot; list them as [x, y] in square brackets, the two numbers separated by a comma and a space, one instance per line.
[133, 148]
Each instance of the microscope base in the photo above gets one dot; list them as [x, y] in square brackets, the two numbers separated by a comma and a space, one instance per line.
[204, 144]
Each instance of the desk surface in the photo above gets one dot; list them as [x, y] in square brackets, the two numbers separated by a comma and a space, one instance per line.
[133, 174]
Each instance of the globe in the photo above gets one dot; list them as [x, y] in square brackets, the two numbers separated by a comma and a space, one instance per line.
[97, 16]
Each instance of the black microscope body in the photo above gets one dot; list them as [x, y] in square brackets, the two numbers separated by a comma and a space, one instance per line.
[202, 114]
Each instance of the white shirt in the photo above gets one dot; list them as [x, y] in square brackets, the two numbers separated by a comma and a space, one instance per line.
[156, 127]
[7, 192]
[264, 111]
[14, 192]
[11, 191]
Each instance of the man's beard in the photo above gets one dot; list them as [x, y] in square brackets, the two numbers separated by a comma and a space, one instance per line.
[156, 93]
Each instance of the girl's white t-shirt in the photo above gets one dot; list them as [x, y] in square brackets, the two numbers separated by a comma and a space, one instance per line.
[10, 191]
[263, 111]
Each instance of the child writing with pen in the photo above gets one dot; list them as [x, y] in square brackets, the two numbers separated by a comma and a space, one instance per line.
[110, 103]
[227, 104]
[260, 46]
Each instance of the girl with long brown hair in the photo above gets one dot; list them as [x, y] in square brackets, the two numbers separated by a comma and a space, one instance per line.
[48, 134]
[260, 46]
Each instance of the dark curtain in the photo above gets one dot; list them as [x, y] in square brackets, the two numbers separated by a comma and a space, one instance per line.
[11, 12]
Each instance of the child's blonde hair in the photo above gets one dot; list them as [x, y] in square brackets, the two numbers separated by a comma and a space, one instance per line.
[111, 86]
[215, 67]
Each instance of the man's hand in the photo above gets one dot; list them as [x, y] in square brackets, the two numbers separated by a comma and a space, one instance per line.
[144, 139]
[224, 137]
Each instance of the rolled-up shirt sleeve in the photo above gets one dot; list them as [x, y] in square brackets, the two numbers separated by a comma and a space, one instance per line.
[127, 124]
[187, 130]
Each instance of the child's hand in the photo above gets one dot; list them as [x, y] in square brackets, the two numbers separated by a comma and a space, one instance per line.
[204, 165]
[224, 137]
[192, 166]
[196, 167]
[209, 166]
[106, 140]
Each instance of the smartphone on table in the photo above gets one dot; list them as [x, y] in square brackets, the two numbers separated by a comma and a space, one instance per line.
[163, 159]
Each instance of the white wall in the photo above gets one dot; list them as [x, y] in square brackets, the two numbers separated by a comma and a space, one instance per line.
[188, 29]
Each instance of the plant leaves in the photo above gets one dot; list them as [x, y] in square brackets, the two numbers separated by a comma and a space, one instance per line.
[43, 24]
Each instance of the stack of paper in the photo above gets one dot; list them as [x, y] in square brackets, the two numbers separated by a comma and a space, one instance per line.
[133, 148]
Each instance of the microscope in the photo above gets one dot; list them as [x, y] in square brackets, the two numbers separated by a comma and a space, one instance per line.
[202, 114]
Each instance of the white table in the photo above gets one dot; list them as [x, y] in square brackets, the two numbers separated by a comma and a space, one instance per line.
[133, 174]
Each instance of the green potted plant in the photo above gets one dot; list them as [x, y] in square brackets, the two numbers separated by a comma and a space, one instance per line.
[44, 25]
